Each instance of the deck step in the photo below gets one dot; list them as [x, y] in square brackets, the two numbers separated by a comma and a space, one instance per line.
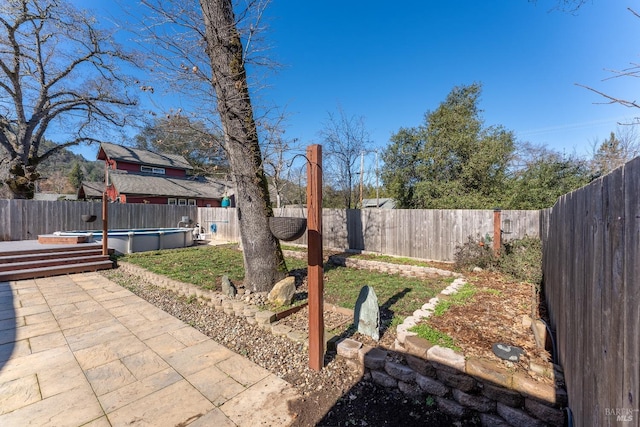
[49, 249]
[53, 239]
[30, 256]
[32, 273]
[50, 262]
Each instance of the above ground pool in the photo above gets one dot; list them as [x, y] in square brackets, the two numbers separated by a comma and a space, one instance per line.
[140, 240]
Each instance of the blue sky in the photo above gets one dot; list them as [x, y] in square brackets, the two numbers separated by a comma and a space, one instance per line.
[391, 64]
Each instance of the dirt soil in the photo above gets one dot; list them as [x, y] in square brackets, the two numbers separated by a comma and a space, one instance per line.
[493, 315]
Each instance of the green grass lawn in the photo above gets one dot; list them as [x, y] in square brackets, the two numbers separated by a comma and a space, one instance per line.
[398, 296]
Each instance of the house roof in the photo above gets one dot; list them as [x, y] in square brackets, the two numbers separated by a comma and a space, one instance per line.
[54, 196]
[145, 157]
[382, 203]
[91, 189]
[147, 185]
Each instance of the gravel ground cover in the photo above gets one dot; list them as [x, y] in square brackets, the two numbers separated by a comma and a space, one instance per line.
[335, 396]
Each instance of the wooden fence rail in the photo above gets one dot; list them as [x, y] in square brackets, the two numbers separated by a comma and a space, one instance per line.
[592, 287]
[426, 234]
[26, 219]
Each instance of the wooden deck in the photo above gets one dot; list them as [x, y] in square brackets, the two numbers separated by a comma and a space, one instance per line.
[29, 259]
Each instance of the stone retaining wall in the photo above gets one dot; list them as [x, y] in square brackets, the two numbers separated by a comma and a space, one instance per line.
[461, 388]
[390, 268]
[240, 306]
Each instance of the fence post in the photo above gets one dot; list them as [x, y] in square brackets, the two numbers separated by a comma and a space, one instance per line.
[497, 231]
[105, 227]
[314, 254]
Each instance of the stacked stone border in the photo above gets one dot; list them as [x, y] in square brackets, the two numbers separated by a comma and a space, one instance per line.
[240, 306]
[389, 268]
[461, 387]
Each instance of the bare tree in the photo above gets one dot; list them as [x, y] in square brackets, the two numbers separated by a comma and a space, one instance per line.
[633, 70]
[199, 52]
[178, 134]
[275, 152]
[571, 6]
[58, 71]
[621, 146]
[345, 140]
[263, 260]
[173, 35]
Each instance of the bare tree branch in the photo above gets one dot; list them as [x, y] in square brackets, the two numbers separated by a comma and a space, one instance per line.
[612, 99]
[56, 64]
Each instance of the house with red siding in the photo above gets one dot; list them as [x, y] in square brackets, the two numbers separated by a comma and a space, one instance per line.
[141, 176]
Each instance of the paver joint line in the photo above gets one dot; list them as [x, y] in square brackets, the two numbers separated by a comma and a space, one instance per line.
[82, 355]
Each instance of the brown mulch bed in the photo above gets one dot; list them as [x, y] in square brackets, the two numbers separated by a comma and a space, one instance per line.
[495, 315]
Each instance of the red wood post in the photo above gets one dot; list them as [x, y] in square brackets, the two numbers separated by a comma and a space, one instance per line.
[314, 251]
[497, 232]
[105, 214]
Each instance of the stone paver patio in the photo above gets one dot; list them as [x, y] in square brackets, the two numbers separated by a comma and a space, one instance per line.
[79, 350]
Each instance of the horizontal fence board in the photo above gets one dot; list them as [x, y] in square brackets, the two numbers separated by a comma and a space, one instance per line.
[425, 234]
[27, 219]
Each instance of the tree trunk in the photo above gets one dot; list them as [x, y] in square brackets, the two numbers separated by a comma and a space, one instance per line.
[263, 260]
[21, 180]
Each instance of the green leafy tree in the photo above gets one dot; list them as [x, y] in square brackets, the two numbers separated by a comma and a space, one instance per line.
[456, 162]
[401, 159]
[543, 176]
[76, 176]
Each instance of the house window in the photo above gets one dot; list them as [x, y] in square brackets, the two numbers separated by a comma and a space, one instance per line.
[149, 169]
[192, 202]
[182, 202]
[172, 201]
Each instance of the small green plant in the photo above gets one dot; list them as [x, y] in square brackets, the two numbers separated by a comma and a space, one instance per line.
[397, 320]
[464, 294]
[434, 336]
[430, 401]
[191, 299]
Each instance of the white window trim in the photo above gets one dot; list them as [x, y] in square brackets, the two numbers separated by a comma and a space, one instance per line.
[172, 201]
[192, 202]
[154, 170]
[182, 202]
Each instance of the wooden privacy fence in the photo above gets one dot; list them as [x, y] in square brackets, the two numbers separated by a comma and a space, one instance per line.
[591, 269]
[26, 219]
[427, 234]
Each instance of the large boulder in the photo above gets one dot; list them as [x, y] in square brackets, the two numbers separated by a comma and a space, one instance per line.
[283, 292]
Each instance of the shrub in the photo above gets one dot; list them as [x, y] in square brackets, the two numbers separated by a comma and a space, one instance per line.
[522, 260]
[475, 252]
